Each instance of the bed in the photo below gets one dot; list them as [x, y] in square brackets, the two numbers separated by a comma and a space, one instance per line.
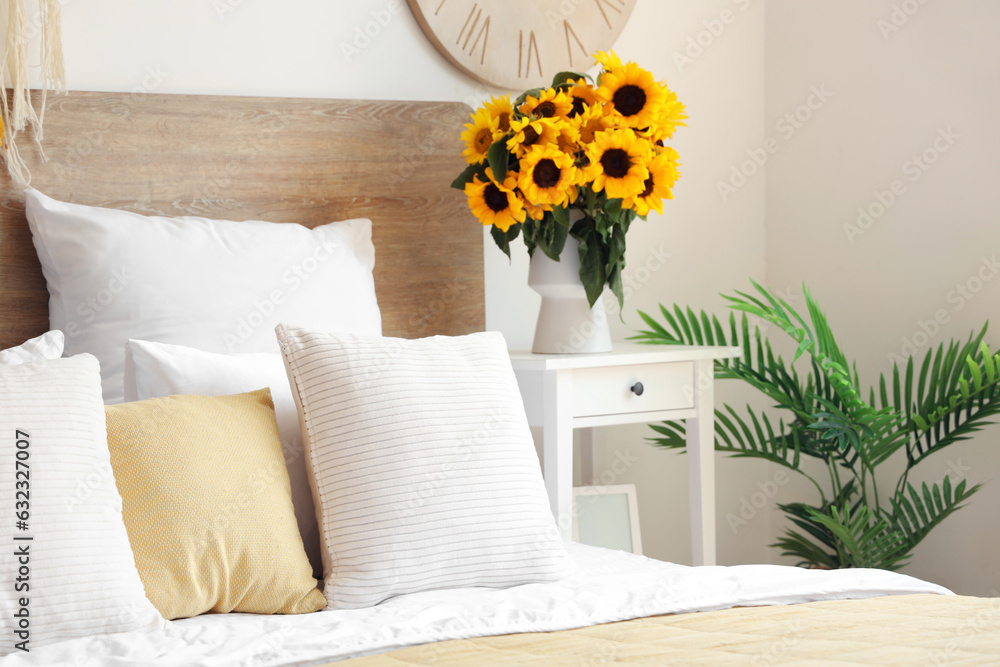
[313, 161]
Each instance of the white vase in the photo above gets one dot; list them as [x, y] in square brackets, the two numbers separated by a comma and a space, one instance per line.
[566, 322]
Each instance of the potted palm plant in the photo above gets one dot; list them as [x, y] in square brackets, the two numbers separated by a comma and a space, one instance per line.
[916, 411]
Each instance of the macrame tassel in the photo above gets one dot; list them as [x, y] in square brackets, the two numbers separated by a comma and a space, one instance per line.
[53, 66]
[19, 112]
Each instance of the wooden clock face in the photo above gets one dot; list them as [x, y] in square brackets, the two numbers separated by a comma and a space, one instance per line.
[519, 44]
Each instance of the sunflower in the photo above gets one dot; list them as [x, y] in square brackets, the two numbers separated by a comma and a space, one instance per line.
[568, 138]
[528, 133]
[501, 109]
[590, 122]
[581, 95]
[662, 176]
[479, 136]
[551, 103]
[671, 117]
[633, 93]
[618, 160]
[548, 177]
[494, 204]
[607, 60]
[534, 212]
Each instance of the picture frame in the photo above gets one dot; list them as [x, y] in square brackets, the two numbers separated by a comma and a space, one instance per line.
[607, 516]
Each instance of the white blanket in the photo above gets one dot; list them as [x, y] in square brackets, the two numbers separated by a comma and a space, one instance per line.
[608, 586]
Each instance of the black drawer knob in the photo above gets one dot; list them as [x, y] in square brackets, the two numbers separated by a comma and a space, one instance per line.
[637, 389]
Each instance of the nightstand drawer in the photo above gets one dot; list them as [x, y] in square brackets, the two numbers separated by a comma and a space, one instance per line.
[609, 390]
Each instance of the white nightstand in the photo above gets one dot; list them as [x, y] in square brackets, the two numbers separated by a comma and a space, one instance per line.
[633, 384]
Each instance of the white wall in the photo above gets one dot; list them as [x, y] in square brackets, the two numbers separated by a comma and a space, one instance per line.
[895, 93]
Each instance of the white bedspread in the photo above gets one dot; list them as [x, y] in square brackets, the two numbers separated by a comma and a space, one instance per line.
[608, 586]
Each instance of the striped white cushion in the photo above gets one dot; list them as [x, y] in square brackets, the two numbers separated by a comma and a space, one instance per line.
[422, 465]
[80, 573]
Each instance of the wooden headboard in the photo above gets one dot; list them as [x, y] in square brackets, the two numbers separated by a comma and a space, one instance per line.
[278, 159]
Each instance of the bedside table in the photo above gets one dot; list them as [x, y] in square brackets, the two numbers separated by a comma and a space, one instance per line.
[635, 383]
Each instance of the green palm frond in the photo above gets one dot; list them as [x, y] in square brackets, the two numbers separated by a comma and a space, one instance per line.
[752, 436]
[756, 365]
[816, 545]
[862, 538]
[972, 403]
[806, 550]
[817, 340]
[918, 409]
[956, 393]
[919, 513]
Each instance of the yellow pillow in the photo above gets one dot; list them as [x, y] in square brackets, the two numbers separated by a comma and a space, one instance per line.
[208, 506]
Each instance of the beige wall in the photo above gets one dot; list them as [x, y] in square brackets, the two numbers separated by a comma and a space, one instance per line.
[890, 97]
[928, 89]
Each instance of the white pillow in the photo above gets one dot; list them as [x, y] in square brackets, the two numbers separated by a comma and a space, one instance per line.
[215, 285]
[423, 467]
[79, 574]
[155, 370]
[47, 346]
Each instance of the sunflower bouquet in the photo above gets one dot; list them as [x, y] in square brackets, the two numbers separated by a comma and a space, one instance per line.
[594, 147]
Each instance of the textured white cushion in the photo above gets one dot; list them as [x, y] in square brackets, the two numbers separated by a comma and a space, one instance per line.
[47, 346]
[80, 573]
[215, 285]
[154, 370]
[424, 470]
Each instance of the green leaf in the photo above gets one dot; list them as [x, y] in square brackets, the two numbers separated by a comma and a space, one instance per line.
[566, 77]
[591, 198]
[498, 156]
[469, 174]
[613, 208]
[658, 334]
[593, 273]
[554, 238]
[989, 364]
[977, 374]
[615, 284]
[503, 239]
[530, 230]
[531, 92]
[561, 216]
[616, 248]
[603, 224]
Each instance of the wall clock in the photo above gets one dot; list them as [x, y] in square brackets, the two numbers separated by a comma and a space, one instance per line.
[518, 44]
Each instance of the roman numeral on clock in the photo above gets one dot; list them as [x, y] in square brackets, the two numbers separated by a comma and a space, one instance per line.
[469, 29]
[569, 46]
[615, 5]
[524, 57]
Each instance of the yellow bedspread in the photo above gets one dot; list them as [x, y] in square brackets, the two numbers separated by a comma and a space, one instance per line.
[922, 630]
